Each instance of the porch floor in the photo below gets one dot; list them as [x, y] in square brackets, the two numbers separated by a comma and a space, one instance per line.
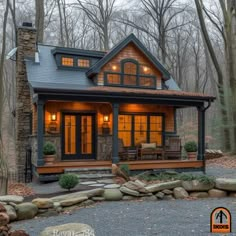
[58, 167]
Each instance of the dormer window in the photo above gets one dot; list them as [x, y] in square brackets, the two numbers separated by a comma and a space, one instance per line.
[130, 74]
[85, 63]
[67, 61]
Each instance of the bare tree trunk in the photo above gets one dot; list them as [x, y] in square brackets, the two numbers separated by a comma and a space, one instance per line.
[39, 19]
[220, 86]
[61, 41]
[3, 162]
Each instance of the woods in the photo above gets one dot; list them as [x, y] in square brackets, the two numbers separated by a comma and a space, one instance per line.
[194, 39]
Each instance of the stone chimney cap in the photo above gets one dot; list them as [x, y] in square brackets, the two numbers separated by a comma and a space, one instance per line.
[27, 24]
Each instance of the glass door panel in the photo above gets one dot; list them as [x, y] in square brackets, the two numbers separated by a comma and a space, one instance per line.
[70, 134]
[140, 129]
[86, 134]
[125, 128]
[156, 130]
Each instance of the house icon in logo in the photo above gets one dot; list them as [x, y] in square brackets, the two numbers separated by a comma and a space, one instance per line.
[220, 220]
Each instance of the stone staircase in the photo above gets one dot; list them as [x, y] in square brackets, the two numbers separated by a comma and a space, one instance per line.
[90, 174]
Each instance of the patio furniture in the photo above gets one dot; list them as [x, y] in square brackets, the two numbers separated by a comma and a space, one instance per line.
[150, 149]
[173, 148]
[126, 153]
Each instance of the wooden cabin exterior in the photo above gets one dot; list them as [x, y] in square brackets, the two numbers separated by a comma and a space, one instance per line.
[85, 101]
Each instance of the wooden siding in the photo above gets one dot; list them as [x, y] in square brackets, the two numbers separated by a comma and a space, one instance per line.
[129, 52]
[100, 109]
[133, 165]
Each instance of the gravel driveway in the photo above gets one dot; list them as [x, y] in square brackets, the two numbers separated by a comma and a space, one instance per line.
[177, 217]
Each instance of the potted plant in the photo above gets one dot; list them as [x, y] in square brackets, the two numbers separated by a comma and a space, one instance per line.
[191, 149]
[49, 152]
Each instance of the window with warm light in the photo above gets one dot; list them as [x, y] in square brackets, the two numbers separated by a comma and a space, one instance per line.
[130, 74]
[67, 61]
[83, 63]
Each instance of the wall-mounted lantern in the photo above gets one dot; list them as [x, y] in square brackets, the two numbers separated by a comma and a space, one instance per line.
[53, 116]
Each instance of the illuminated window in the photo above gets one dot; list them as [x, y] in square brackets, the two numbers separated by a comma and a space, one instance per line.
[130, 68]
[67, 61]
[113, 78]
[83, 63]
[146, 81]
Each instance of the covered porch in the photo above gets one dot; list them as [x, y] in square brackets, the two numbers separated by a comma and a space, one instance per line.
[107, 131]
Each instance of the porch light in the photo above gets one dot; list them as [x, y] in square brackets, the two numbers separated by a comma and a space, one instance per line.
[145, 69]
[105, 118]
[53, 116]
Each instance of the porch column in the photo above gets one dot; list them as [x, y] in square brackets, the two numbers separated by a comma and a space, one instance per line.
[40, 132]
[201, 134]
[115, 110]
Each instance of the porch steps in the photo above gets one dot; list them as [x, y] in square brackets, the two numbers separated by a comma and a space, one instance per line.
[89, 174]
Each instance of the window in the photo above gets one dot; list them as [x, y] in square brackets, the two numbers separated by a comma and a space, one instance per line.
[131, 74]
[144, 128]
[67, 61]
[83, 63]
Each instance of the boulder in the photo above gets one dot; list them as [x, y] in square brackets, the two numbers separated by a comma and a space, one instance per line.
[109, 186]
[4, 219]
[149, 198]
[11, 212]
[43, 203]
[72, 201]
[2, 208]
[86, 203]
[226, 184]
[199, 194]
[128, 198]
[196, 185]
[26, 211]
[180, 193]
[48, 212]
[11, 198]
[128, 191]
[98, 199]
[167, 191]
[217, 193]
[168, 197]
[136, 186]
[87, 193]
[19, 233]
[69, 229]
[112, 195]
[160, 195]
[161, 186]
[140, 183]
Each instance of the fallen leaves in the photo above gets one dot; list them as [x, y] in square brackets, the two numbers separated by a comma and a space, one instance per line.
[20, 189]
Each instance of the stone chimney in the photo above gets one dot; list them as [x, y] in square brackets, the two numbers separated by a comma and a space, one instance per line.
[26, 46]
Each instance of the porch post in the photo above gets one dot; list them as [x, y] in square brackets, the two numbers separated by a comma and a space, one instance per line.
[115, 110]
[40, 132]
[201, 134]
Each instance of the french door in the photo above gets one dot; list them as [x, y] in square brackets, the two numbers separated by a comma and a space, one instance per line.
[78, 136]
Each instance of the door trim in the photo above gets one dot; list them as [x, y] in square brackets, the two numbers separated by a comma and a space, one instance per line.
[78, 156]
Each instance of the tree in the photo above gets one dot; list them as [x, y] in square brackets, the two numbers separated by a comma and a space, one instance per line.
[39, 19]
[100, 13]
[3, 162]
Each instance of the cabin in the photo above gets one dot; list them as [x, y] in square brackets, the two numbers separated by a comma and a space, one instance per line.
[99, 108]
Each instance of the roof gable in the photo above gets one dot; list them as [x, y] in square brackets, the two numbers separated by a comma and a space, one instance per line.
[114, 51]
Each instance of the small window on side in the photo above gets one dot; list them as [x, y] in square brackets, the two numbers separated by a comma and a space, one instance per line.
[67, 61]
[83, 63]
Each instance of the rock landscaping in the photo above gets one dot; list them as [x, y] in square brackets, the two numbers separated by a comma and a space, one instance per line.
[14, 208]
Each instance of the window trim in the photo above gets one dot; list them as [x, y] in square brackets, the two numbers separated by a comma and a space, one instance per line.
[122, 75]
[75, 62]
[148, 131]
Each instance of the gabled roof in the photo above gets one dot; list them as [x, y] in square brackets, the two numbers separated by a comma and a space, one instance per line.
[115, 50]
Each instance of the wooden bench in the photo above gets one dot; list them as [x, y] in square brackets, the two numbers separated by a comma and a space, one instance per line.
[150, 149]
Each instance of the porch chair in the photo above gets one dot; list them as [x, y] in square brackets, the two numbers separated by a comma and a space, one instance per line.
[173, 148]
[125, 153]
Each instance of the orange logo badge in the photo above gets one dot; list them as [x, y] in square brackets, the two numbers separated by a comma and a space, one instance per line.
[220, 220]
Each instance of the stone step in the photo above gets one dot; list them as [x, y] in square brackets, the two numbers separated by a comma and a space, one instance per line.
[90, 177]
[93, 170]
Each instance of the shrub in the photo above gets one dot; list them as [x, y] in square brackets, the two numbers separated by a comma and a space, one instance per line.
[125, 169]
[49, 149]
[190, 146]
[68, 181]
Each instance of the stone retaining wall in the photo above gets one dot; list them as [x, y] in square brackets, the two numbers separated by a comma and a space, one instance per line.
[17, 209]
